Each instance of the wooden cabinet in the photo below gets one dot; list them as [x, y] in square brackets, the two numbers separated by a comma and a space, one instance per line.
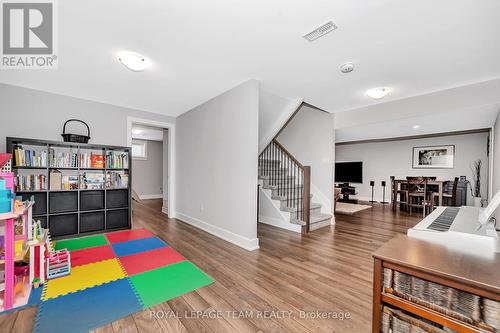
[425, 285]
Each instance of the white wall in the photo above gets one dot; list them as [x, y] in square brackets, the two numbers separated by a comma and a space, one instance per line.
[35, 114]
[384, 159]
[274, 111]
[147, 175]
[496, 163]
[165, 175]
[216, 169]
[310, 138]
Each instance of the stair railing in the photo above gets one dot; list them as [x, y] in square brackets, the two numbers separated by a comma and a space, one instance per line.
[289, 179]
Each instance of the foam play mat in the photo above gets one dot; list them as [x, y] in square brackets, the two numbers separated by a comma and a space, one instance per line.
[112, 276]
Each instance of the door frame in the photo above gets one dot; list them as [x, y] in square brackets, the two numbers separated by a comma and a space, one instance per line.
[170, 209]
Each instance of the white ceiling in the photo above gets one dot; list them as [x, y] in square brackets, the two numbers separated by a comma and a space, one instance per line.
[201, 48]
[468, 107]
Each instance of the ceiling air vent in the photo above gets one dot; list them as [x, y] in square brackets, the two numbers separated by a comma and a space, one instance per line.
[321, 31]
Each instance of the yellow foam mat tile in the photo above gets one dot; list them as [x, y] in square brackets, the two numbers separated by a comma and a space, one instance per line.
[83, 277]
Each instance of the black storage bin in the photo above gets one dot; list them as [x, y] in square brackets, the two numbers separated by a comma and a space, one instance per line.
[91, 221]
[91, 200]
[40, 206]
[61, 202]
[61, 225]
[117, 219]
[117, 198]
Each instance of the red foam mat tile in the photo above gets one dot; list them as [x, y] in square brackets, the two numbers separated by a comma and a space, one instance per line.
[146, 261]
[90, 255]
[128, 235]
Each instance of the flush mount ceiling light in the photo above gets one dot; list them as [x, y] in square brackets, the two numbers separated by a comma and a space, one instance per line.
[415, 127]
[347, 67]
[134, 61]
[320, 31]
[378, 93]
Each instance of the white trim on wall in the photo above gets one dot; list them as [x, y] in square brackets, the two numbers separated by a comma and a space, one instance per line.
[150, 196]
[246, 243]
[170, 211]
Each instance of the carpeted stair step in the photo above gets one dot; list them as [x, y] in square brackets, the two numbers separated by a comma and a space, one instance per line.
[292, 191]
[316, 222]
[283, 197]
[320, 221]
[315, 208]
[282, 181]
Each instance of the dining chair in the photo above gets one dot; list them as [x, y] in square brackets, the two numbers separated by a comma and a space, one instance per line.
[402, 190]
[417, 194]
[450, 196]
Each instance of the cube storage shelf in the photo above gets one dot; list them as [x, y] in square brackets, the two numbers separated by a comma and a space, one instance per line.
[78, 212]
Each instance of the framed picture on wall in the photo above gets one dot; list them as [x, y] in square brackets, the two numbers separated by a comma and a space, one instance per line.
[433, 157]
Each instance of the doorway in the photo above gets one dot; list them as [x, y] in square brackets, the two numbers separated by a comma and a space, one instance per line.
[153, 163]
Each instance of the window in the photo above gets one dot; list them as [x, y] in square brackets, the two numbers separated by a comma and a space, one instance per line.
[139, 150]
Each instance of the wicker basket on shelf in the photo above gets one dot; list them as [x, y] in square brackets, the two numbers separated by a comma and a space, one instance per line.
[395, 321]
[491, 313]
[449, 301]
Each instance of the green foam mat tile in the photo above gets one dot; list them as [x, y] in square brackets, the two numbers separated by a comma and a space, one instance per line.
[81, 243]
[164, 283]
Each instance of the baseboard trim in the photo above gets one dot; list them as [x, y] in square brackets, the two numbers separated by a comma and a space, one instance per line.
[150, 196]
[243, 242]
[280, 224]
[164, 210]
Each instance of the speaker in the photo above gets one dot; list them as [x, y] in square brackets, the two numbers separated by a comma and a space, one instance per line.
[372, 184]
[383, 198]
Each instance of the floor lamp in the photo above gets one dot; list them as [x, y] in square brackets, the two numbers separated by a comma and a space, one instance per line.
[383, 200]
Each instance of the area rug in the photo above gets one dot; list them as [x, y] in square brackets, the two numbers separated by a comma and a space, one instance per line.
[112, 276]
[349, 208]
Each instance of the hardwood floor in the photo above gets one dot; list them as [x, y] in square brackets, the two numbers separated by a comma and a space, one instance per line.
[329, 271]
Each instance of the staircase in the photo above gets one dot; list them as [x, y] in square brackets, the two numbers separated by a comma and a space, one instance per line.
[289, 183]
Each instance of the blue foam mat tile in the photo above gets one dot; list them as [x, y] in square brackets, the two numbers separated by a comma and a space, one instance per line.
[35, 296]
[138, 245]
[87, 309]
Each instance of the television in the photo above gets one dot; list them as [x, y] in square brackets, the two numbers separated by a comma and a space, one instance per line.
[349, 172]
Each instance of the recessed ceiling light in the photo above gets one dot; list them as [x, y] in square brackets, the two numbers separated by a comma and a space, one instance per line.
[378, 93]
[416, 127]
[134, 61]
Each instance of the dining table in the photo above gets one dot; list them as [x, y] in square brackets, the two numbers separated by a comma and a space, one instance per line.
[439, 183]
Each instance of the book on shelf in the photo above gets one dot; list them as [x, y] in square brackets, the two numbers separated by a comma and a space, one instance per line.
[117, 180]
[92, 180]
[67, 159]
[29, 157]
[91, 160]
[69, 182]
[26, 183]
[117, 160]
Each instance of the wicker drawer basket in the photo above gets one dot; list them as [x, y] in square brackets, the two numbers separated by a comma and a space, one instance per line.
[395, 321]
[449, 301]
[491, 313]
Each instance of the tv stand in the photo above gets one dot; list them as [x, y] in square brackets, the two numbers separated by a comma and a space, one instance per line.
[346, 190]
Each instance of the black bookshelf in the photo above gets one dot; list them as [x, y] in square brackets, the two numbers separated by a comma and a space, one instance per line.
[82, 211]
